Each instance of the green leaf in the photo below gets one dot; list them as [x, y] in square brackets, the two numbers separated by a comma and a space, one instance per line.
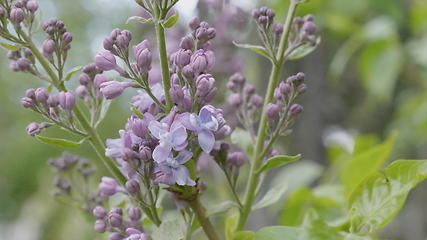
[303, 50]
[11, 47]
[220, 208]
[171, 21]
[278, 161]
[244, 235]
[58, 142]
[273, 195]
[73, 71]
[230, 226]
[364, 164]
[170, 229]
[379, 66]
[379, 198]
[139, 20]
[104, 110]
[255, 48]
[243, 139]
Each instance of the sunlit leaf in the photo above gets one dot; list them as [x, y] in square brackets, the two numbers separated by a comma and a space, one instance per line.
[11, 47]
[139, 20]
[273, 195]
[58, 142]
[380, 197]
[278, 161]
[255, 48]
[303, 50]
[73, 71]
[171, 21]
[104, 110]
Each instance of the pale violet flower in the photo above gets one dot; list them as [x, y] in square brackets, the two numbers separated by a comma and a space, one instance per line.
[204, 124]
[172, 171]
[143, 102]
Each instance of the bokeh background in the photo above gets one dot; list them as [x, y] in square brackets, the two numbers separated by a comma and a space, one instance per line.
[367, 78]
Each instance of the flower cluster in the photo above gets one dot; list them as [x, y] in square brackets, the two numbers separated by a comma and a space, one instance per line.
[22, 61]
[269, 30]
[58, 41]
[56, 108]
[20, 11]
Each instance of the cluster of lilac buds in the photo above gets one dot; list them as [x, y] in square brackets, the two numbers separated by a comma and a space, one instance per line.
[244, 100]
[22, 60]
[282, 112]
[58, 40]
[202, 32]
[73, 173]
[119, 226]
[20, 10]
[303, 31]
[269, 30]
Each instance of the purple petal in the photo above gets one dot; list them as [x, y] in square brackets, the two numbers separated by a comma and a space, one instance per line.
[184, 156]
[206, 140]
[182, 177]
[157, 129]
[161, 153]
[187, 120]
[114, 148]
[180, 147]
[179, 136]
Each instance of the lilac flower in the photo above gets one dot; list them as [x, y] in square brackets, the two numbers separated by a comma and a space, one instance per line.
[204, 125]
[170, 135]
[108, 187]
[67, 100]
[172, 171]
[144, 103]
[113, 89]
[106, 61]
[202, 61]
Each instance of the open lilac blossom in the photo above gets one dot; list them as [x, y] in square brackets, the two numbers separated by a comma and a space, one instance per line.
[170, 135]
[204, 124]
[172, 171]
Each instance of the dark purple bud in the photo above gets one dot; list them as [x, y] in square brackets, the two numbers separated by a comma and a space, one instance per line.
[302, 88]
[223, 132]
[81, 91]
[67, 37]
[31, 93]
[134, 214]
[263, 20]
[204, 24]
[235, 100]
[256, 13]
[23, 64]
[13, 66]
[296, 109]
[204, 84]
[187, 43]
[27, 102]
[291, 79]
[90, 68]
[272, 111]
[194, 23]
[309, 28]
[108, 44]
[278, 94]
[298, 21]
[32, 6]
[256, 100]
[270, 13]
[48, 47]
[309, 18]
[13, 55]
[300, 76]
[107, 187]
[132, 186]
[113, 89]
[232, 86]
[67, 100]
[100, 226]
[84, 79]
[115, 220]
[285, 88]
[41, 95]
[236, 159]
[263, 10]
[53, 101]
[122, 41]
[277, 28]
[99, 212]
[17, 15]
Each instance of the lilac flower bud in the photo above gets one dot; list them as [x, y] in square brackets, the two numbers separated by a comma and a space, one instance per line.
[188, 72]
[113, 89]
[278, 94]
[237, 78]
[67, 37]
[249, 89]
[99, 79]
[285, 88]
[108, 44]
[81, 91]
[41, 95]
[90, 68]
[277, 28]
[302, 88]
[27, 102]
[194, 23]
[270, 13]
[187, 43]
[115, 236]
[182, 58]
[23, 64]
[34, 129]
[17, 15]
[67, 100]
[176, 94]
[100, 226]
[30, 93]
[53, 101]
[32, 6]
[202, 61]
[132, 186]
[300, 76]
[223, 132]
[256, 13]
[263, 20]
[115, 219]
[309, 17]
[309, 28]
[296, 109]
[84, 79]
[235, 100]
[106, 61]
[48, 47]
[272, 111]
[291, 79]
[134, 214]
[298, 21]
[256, 101]
[99, 212]
[143, 60]
[107, 187]
[232, 86]
[204, 84]
[236, 159]
[13, 66]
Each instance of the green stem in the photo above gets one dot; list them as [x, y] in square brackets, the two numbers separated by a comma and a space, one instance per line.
[257, 155]
[164, 62]
[204, 221]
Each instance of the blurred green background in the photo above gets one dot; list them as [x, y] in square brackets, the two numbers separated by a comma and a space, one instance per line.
[369, 76]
